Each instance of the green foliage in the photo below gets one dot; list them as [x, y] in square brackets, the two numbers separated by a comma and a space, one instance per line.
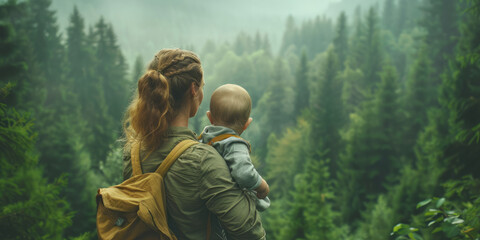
[327, 113]
[458, 219]
[378, 221]
[30, 207]
[302, 94]
[315, 35]
[340, 42]
[420, 95]
[331, 177]
[286, 157]
[371, 155]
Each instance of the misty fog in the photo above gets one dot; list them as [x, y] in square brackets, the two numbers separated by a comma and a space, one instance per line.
[143, 27]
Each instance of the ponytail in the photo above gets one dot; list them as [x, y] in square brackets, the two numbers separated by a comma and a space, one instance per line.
[160, 93]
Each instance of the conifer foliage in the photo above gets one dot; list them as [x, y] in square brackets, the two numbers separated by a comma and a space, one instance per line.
[356, 120]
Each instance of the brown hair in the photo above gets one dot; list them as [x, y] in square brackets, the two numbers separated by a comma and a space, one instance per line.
[161, 92]
[230, 106]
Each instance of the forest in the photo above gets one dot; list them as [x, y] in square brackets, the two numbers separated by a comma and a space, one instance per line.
[366, 125]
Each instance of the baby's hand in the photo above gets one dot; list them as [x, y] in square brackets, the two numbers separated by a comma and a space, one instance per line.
[263, 189]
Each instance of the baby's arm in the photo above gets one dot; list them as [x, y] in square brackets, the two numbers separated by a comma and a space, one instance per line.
[243, 172]
[262, 190]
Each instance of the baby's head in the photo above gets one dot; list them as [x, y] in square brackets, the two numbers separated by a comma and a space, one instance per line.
[230, 107]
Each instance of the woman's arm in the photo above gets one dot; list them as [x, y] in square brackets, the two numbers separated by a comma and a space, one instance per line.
[235, 210]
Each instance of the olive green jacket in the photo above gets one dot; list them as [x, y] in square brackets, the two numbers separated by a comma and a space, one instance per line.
[199, 182]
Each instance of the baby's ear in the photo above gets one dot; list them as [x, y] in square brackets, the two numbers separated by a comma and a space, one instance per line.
[247, 123]
[209, 116]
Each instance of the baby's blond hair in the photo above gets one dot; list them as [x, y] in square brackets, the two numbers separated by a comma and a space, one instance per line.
[230, 106]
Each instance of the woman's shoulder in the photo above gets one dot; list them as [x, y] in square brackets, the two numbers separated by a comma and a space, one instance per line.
[202, 152]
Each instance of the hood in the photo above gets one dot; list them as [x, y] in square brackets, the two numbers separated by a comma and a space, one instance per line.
[211, 131]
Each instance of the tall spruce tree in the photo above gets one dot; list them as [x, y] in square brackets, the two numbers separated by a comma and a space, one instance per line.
[137, 72]
[389, 14]
[276, 106]
[371, 149]
[327, 114]
[31, 207]
[372, 61]
[340, 42]
[441, 24]
[461, 94]
[110, 78]
[420, 95]
[290, 34]
[302, 90]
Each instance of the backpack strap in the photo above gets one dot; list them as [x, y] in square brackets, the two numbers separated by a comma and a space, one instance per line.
[225, 136]
[135, 158]
[173, 155]
[170, 159]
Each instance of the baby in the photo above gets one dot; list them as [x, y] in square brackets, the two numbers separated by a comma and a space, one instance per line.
[229, 115]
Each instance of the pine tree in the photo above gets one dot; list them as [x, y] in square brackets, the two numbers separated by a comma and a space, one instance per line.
[419, 97]
[441, 23]
[276, 106]
[243, 44]
[277, 111]
[257, 42]
[372, 62]
[389, 14]
[461, 94]
[357, 42]
[110, 73]
[352, 92]
[371, 154]
[31, 207]
[10, 65]
[289, 36]
[266, 46]
[327, 113]
[302, 91]
[340, 41]
[137, 71]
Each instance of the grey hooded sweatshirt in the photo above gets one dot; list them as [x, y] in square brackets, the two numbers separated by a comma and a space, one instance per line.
[236, 152]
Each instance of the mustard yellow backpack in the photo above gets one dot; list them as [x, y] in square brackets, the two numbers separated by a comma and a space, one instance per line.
[136, 208]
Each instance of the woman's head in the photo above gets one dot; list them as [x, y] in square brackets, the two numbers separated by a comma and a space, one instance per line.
[163, 92]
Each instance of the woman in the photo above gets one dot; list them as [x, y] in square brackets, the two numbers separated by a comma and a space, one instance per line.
[199, 182]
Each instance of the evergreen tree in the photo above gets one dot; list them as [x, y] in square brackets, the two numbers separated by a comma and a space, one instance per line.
[137, 72]
[266, 46]
[110, 73]
[243, 44]
[10, 65]
[276, 106]
[358, 42]
[372, 61]
[257, 42]
[352, 93]
[371, 149]
[389, 14]
[289, 36]
[278, 112]
[31, 208]
[302, 91]
[340, 41]
[461, 94]
[419, 97]
[441, 24]
[327, 114]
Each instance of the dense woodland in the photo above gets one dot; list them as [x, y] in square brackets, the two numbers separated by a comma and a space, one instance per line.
[365, 126]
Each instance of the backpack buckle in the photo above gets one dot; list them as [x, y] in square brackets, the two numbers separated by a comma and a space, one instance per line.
[119, 221]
